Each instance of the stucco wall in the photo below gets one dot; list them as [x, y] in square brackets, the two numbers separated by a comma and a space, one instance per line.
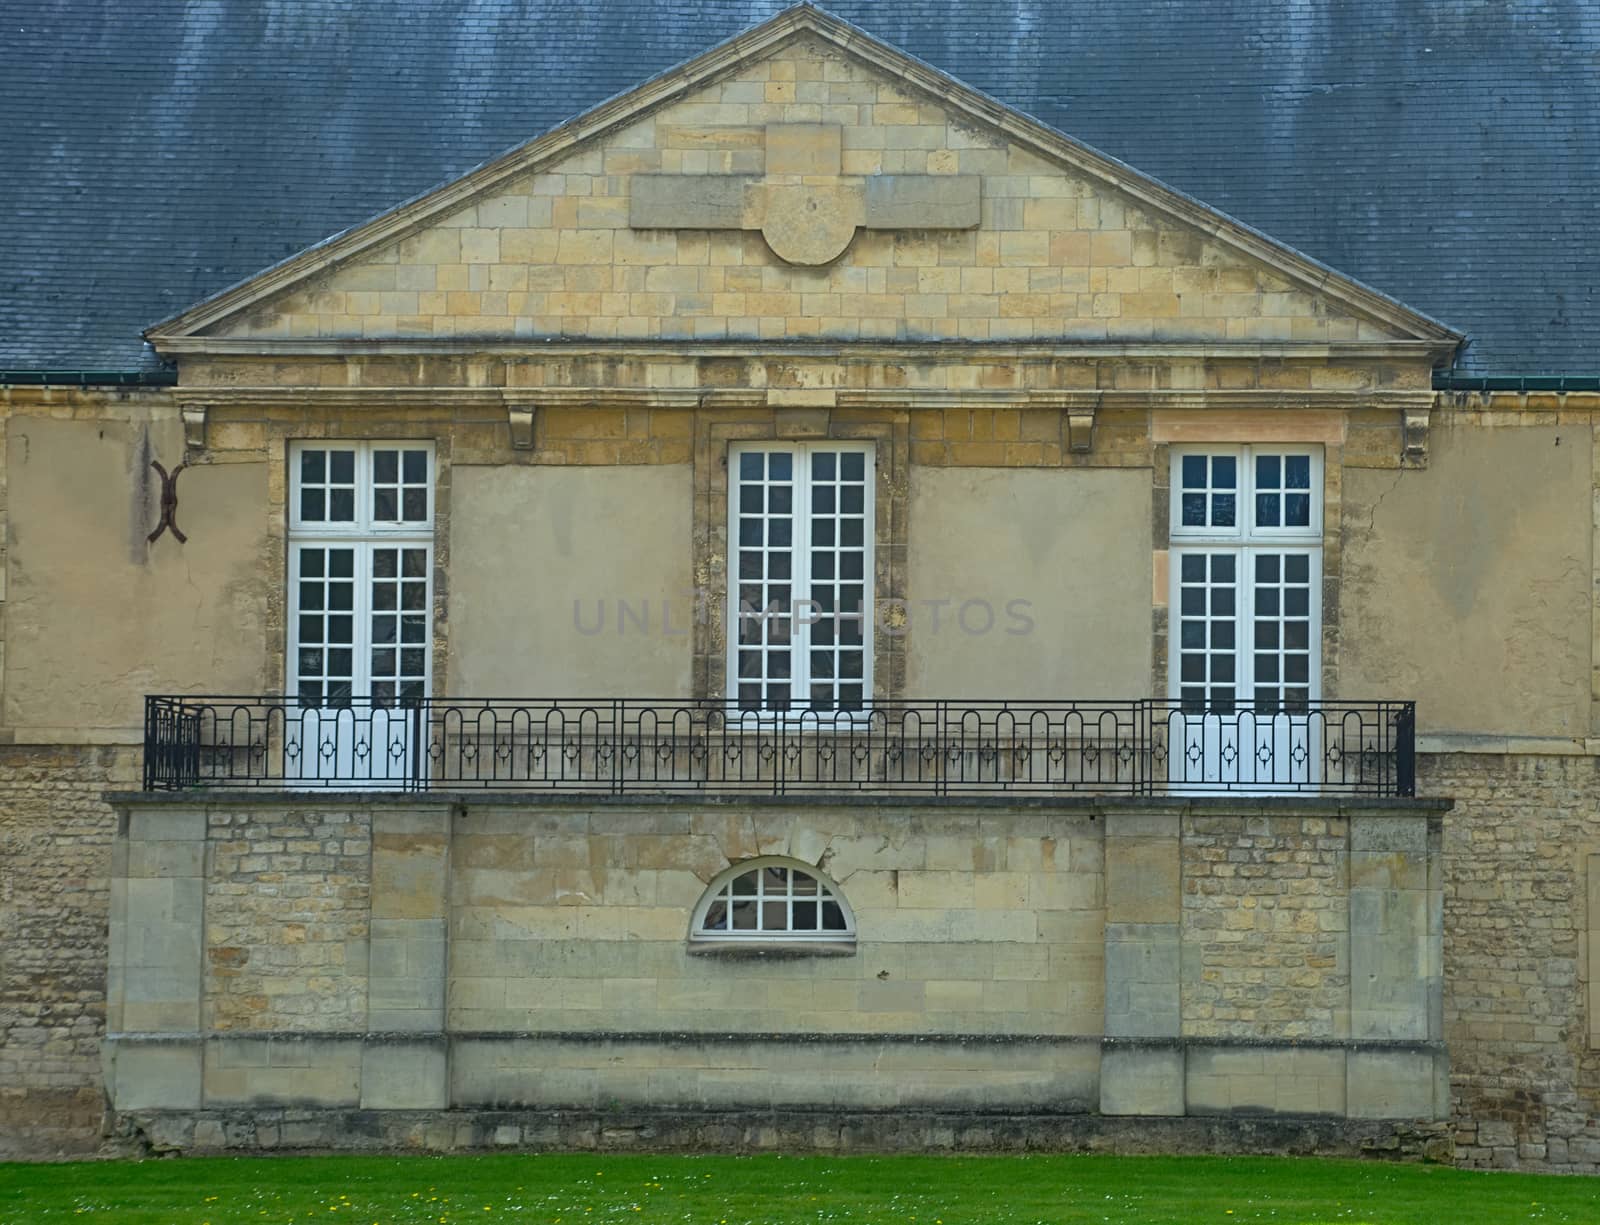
[96, 617]
[1467, 584]
[571, 582]
[1029, 583]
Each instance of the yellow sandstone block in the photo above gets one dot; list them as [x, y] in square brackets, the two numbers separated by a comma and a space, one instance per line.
[645, 247]
[1111, 247]
[480, 246]
[603, 212]
[1122, 279]
[1070, 247]
[451, 277]
[1013, 280]
[1150, 305]
[1024, 305]
[432, 246]
[1237, 280]
[803, 148]
[508, 277]
[584, 247]
[1050, 214]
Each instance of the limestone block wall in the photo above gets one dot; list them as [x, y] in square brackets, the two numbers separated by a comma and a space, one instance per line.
[493, 954]
[969, 923]
[287, 927]
[1521, 905]
[1265, 926]
[56, 838]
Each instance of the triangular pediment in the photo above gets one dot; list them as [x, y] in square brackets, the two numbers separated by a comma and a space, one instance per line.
[801, 181]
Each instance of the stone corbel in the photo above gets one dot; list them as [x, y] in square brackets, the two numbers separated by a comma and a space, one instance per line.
[1077, 410]
[1080, 429]
[521, 418]
[194, 426]
[1414, 423]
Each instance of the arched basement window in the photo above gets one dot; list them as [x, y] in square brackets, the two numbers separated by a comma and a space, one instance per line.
[773, 900]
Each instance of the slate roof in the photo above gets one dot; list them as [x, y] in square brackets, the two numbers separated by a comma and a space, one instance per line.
[1447, 153]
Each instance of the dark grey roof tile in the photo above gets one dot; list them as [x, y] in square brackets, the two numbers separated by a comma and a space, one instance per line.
[158, 151]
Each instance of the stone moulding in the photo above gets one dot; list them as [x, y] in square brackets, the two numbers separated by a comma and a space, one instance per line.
[780, 1129]
[1082, 403]
[1092, 806]
[536, 346]
[1077, 1074]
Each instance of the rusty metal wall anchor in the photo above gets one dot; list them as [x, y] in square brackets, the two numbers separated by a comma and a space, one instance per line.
[169, 502]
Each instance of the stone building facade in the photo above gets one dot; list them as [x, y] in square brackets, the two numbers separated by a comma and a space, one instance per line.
[1096, 739]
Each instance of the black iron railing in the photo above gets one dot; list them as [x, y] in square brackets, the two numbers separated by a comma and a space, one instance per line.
[626, 745]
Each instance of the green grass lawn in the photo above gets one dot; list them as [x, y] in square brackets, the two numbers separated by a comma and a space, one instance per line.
[772, 1190]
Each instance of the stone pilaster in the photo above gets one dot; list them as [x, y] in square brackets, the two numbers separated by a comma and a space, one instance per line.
[409, 961]
[1395, 949]
[157, 933]
[1143, 964]
[410, 875]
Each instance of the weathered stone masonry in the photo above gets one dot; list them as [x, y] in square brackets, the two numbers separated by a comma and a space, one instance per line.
[1519, 913]
[366, 971]
[483, 955]
[56, 835]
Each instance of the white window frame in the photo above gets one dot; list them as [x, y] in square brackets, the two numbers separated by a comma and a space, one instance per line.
[801, 576]
[1245, 542]
[720, 890]
[364, 535]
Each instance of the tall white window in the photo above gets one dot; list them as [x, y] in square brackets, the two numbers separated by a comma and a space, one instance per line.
[360, 571]
[1246, 562]
[800, 572]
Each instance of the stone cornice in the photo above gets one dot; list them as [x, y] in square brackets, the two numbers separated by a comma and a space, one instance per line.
[495, 400]
[912, 350]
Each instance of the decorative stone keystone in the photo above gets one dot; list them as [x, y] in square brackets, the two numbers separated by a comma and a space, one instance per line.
[806, 210]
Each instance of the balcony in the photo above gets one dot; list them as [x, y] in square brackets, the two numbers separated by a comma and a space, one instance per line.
[628, 746]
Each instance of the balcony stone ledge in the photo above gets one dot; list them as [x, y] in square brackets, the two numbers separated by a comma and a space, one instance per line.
[1233, 803]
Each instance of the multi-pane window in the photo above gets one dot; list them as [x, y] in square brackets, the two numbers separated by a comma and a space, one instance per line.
[772, 898]
[1246, 534]
[360, 561]
[800, 566]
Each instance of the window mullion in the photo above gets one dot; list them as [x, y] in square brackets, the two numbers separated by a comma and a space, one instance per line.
[361, 672]
[1247, 494]
[800, 629]
[1240, 618]
[363, 520]
[1245, 630]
